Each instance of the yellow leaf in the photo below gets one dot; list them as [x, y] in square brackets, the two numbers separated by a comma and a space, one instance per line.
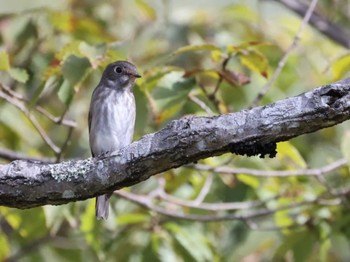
[251, 181]
[290, 155]
[255, 61]
[4, 61]
[192, 48]
[341, 67]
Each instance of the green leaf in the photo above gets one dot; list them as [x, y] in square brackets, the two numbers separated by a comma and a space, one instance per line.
[4, 247]
[192, 241]
[88, 226]
[283, 219]
[19, 74]
[302, 249]
[289, 243]
[171, 94]
[52, 81]
[28, 223]
[152, 76]
[74, 69]
[66, 92]
[4, 61]
[132, 218]
[324, 250]
[341, 67]
[161, 245]
[345, 147]
[192, 48]
[172, 89]
[28, 31]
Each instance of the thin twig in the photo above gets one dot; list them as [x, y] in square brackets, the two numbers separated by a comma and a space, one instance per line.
[12, 155]
[201, 104]
[33, 120]
[213, 206]
[272, 173]
[147, 203]
[223, 68]
[284, 59]
[41, 110]
[63, 147]
[205, 189]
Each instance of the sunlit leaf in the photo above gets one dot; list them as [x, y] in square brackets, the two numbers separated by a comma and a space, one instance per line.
[4, 247]
[192, 48]
[63, 21]
[255, 61]
[216, 55]
[19, 74]
[132, 218]
[251, 181]
[4, 61]
[88, 226]
[289, 154]
[146, 9]
[283, 219]
[240, 12]
[72, 48]
[28, 223]
[341, 67]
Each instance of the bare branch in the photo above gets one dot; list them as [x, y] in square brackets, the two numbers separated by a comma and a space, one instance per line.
[245, 217]
[183, 141]
[272, 173]
[284, 59]
[41, 110]
[32, 119]
[13, 155]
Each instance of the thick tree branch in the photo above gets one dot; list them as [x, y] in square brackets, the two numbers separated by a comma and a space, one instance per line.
[25, 184]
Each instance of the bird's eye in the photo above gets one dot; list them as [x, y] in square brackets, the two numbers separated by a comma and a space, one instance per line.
[118, 69]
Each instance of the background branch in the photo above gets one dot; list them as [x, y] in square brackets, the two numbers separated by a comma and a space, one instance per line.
[322, 24]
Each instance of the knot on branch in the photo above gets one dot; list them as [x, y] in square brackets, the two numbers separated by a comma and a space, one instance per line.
[335, 95]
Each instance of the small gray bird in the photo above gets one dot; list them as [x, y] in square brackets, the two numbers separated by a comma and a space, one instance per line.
[112, 116]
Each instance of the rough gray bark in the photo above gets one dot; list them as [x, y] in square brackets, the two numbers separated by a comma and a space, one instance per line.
[25, 184]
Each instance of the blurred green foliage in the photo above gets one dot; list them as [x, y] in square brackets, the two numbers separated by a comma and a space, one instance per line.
[220, 52]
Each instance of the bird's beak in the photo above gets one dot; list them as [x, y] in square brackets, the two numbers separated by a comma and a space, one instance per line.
[130, 73]
[136, 75]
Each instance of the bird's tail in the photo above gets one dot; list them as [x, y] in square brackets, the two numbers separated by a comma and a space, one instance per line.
[102, 206]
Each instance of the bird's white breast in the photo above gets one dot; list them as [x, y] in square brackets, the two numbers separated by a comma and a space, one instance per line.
[112, 120]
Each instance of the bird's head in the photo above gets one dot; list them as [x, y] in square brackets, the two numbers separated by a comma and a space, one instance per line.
[120, 74]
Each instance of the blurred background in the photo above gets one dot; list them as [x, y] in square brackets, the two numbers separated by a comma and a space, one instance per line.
[199, 58]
